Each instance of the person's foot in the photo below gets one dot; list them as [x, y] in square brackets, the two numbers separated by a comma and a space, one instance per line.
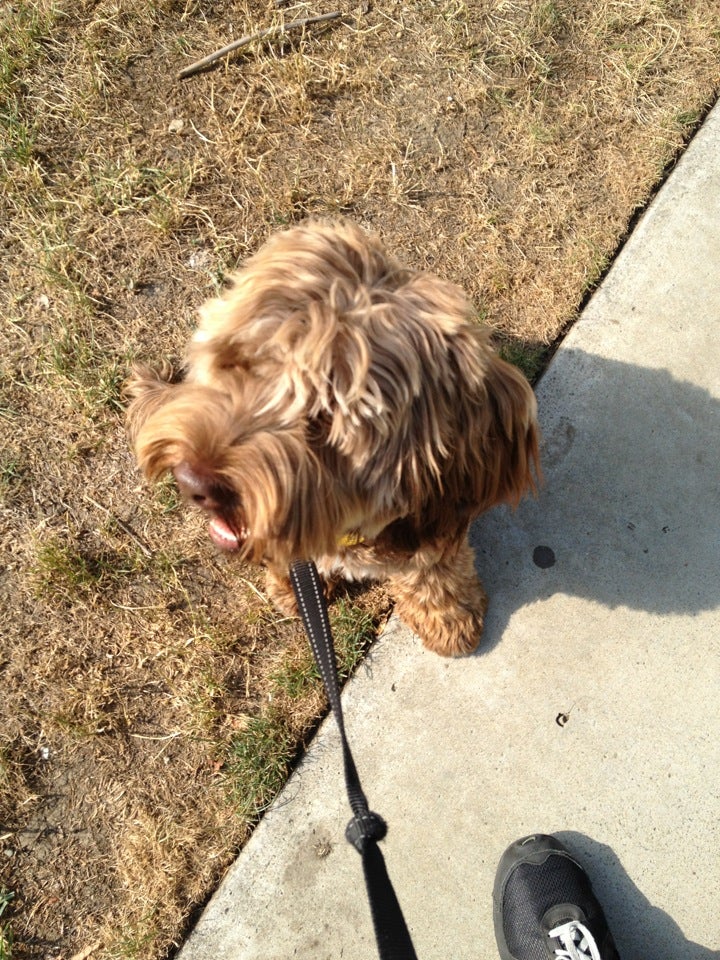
[544, 906]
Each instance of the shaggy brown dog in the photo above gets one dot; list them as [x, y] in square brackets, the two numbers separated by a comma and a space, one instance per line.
[339, 407]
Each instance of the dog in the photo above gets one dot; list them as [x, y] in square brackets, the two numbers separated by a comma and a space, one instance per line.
[338, 406]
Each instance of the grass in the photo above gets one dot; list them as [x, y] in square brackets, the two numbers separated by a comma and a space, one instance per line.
[6, 937]
[6, 943]
[92, 376]
[530, 358]
[258, 763]
[153, 700]
[75, 571]
[353, 631]
[11, 475]
[260, 757]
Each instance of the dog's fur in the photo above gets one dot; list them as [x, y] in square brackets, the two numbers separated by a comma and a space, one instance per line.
[340, 407]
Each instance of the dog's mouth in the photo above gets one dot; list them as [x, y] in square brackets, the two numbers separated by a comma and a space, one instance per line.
[200, 488]
[225, 536]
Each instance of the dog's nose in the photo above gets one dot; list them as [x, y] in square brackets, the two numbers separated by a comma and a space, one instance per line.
[197, 486]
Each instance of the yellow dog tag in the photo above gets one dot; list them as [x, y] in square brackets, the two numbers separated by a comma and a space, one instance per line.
[351, 539]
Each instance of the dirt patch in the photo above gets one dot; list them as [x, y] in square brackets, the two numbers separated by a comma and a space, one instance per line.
[505, 145]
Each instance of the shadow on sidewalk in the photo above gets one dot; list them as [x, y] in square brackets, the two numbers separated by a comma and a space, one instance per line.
[641, 931]
[629, 514]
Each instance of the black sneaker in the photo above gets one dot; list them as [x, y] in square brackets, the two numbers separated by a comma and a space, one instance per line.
[544, 907]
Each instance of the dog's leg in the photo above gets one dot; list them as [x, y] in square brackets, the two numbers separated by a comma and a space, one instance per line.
[442, 600]
[280, 591]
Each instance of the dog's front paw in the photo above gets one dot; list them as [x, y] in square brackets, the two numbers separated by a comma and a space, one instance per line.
[449, 631]
[443, 602]
[281, 593]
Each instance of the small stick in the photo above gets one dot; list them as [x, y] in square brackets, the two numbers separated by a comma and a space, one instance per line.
[87, 952]
[276, 31]
[125, 527]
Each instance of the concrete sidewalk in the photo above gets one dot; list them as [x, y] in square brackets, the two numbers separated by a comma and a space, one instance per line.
[620, 635]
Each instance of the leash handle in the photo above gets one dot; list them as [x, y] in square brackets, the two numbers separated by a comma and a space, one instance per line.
[365, 828]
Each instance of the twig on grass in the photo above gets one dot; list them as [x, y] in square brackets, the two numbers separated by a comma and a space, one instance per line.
[277, 31]
[87, 952]
[125, 527]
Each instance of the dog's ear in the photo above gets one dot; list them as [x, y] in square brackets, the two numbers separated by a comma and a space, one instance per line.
[496, 459]
[475, 440]
[175, 423]
[507, 439]
[145, 390]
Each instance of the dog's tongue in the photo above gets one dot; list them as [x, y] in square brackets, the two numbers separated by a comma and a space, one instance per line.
[222, 536]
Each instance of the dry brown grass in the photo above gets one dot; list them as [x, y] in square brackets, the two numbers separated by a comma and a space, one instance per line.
[149, 696]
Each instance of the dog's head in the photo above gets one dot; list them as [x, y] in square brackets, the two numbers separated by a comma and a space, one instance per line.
[332, 389]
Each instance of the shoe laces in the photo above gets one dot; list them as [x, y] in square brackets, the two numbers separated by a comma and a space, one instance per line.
[576, 941]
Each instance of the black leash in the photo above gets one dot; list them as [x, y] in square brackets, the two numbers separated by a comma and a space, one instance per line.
[366, 827]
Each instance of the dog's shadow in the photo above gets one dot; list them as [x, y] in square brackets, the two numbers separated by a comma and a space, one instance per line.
[629, 513]
[641, 931]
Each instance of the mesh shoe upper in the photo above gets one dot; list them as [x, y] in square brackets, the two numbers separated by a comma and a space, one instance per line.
[539, 889]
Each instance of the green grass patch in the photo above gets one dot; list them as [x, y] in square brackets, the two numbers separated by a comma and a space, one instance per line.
[135, 943]
[258, 764]
[353, 629]
[167, 495]
[18, 138]
[6, 937]
[22, 29]
[12, 474]
[95, 377]
[261, 757]
[529, 358]
[68, 570]
[72, 570]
